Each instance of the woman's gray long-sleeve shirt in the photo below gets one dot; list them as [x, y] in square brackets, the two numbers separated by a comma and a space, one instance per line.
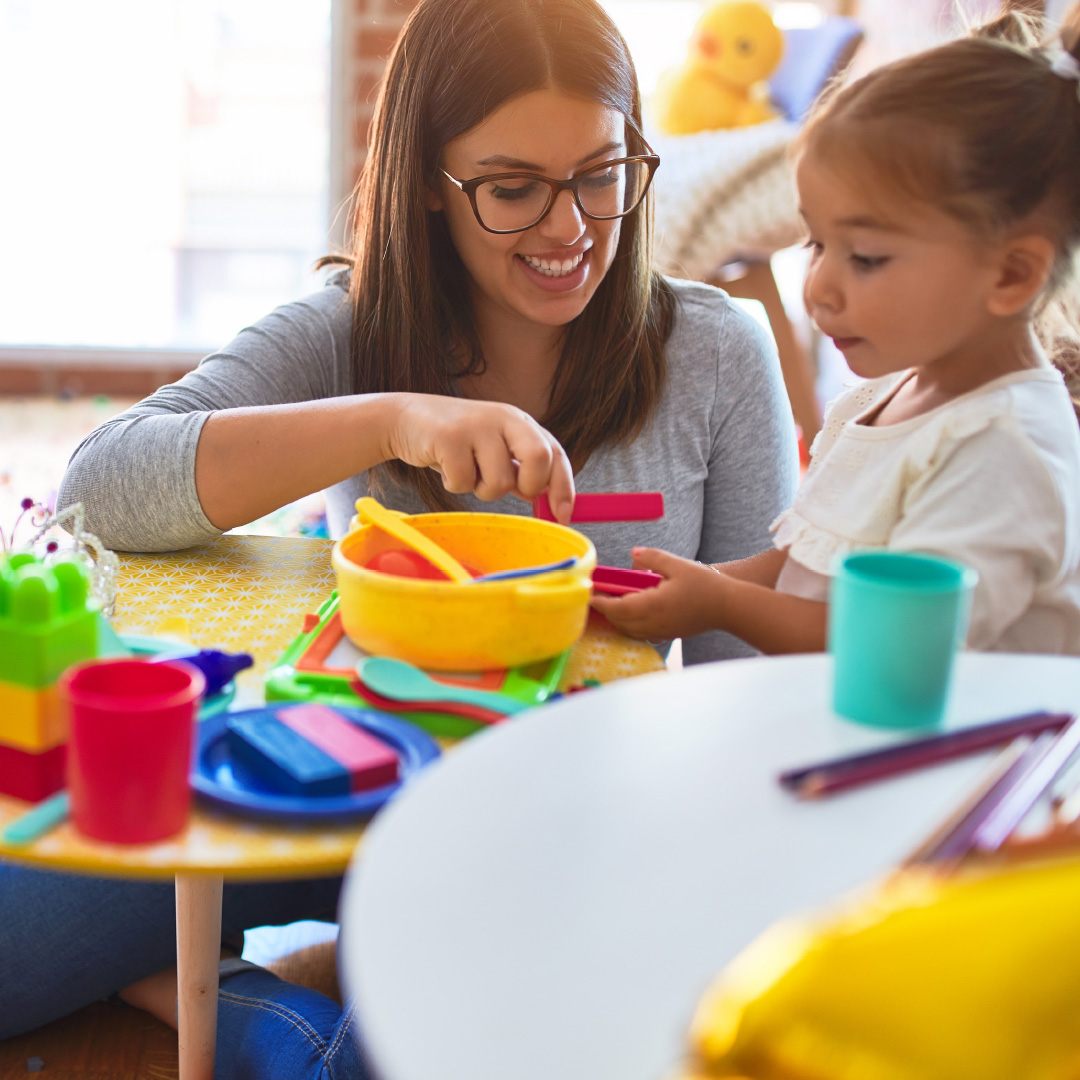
[720, 444]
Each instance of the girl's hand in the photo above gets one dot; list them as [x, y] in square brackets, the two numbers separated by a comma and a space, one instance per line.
[483, 447]
[688, 601]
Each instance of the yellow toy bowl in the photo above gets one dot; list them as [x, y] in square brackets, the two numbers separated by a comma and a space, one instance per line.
[445, 626]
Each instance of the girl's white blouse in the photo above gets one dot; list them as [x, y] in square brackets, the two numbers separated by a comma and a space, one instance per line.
[991, 478]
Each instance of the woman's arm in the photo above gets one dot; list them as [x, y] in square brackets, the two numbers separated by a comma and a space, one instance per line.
[250, 461]
[272, 417]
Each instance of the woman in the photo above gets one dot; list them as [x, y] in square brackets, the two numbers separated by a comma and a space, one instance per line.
[499, 280]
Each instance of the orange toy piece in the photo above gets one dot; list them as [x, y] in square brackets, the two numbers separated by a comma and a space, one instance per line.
[734, 47]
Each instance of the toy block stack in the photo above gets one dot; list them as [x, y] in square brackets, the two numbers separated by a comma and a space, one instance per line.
[48, 622]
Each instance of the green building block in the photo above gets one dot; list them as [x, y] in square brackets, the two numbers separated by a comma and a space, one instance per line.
[48, 620]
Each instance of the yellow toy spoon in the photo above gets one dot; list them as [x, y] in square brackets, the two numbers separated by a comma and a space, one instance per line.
[372, 512]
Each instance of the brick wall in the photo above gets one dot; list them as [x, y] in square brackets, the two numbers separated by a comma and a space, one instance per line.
[370, 30]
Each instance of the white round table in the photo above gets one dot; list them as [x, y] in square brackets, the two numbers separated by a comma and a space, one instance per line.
[550, 901]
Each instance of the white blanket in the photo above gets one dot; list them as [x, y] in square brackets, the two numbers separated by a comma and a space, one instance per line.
[724, 195]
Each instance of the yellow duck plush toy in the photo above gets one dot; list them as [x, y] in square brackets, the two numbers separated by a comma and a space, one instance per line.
[734, 47]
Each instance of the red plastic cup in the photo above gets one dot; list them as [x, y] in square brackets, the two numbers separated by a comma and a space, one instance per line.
[129, 758]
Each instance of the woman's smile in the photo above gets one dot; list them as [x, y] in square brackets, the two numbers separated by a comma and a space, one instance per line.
[546, 275]
[554, 272]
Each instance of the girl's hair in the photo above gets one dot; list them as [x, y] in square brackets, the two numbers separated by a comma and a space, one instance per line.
[456, 62]
[987, 131]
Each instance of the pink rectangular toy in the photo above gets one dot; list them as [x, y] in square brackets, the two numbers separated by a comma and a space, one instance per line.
[616, 581]
[369, 761]
[608, 506]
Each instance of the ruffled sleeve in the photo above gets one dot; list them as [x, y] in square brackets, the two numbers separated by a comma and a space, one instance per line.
[864, 480]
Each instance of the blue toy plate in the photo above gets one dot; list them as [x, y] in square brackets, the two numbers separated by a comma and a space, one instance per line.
[216, 777]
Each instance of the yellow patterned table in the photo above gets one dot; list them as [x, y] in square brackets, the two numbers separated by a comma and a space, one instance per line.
[242, 594]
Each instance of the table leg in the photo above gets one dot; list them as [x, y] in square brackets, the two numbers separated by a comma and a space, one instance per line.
[198, 952]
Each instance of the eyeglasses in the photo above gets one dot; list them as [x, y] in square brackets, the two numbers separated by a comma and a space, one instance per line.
[514, 202]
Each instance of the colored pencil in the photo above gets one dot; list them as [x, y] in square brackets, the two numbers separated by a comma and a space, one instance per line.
[823, 778]
[1000, 766]
[1005, 813]
[960, 840]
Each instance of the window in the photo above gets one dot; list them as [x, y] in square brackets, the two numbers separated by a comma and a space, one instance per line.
[165, 176]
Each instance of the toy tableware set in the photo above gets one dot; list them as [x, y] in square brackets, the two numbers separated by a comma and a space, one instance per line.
[442, 624]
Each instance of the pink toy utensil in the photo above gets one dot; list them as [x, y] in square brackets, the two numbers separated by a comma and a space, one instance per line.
[617, 581]
[130, 752]
[608, 506]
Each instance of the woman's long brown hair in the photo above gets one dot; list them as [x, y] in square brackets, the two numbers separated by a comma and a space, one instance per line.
[455, 62]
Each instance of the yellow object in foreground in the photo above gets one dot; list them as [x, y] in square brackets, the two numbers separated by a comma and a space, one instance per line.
[926, 977]
[445, 626]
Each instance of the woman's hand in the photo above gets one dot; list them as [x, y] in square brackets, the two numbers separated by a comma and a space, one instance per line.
[483, 447]
[690, 599]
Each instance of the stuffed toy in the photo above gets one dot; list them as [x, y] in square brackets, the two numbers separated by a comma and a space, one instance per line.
[735, 45]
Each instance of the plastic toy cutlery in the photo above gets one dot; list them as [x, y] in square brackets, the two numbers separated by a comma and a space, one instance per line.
[528, 571]
[373, 512]
[401, 681]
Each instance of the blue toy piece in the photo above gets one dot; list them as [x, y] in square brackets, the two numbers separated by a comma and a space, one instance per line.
[282, 759]
[220, 778]
[218, 668]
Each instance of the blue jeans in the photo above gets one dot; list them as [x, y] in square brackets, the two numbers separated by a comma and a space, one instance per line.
[66, 941]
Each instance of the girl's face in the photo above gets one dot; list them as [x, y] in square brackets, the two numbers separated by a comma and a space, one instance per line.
[895, 283]
[557, 136]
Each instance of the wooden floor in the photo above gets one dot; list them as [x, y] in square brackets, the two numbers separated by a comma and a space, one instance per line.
[112, 1041]
[104, 1041]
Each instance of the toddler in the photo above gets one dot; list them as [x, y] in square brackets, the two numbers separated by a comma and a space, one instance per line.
[941, 195]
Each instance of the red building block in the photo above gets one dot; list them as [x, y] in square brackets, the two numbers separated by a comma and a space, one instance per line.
[29, 776]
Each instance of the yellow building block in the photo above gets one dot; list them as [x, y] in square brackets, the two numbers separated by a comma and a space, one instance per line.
[32, 720]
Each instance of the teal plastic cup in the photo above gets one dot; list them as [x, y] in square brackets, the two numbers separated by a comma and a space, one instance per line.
[895, 622]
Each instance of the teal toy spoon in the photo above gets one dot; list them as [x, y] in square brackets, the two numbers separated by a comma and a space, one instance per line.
[401, 681]
[35, 823]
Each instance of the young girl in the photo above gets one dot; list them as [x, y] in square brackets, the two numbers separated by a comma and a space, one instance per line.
[942, 199]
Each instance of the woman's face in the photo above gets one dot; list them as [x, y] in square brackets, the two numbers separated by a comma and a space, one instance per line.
[557, 136]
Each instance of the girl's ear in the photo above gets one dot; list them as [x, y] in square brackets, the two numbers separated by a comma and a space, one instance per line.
[1024, 268]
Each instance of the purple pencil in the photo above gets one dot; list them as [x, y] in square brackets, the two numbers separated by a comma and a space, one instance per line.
[825, 777]
[1005, 813]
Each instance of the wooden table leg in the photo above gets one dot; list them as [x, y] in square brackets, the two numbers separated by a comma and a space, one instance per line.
[198, 952]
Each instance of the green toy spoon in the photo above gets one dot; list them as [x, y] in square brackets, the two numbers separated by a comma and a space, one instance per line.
[401, 681]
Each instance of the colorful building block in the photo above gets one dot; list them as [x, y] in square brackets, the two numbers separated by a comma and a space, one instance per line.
[47, 619]
[32, 777]
[370, 762]
[32, 720]
[283, 760]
